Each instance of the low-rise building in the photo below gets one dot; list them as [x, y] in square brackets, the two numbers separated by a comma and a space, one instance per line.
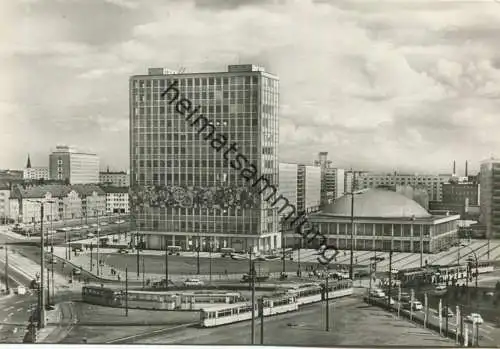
[93, 199]
[384, 220]
[117, 179]
[116, 200]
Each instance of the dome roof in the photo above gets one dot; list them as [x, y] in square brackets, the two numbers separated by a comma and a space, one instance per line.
[376, 203]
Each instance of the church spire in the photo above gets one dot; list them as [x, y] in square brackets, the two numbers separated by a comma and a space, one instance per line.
[28, 164]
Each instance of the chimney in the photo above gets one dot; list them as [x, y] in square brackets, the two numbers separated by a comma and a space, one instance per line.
[454, 165]
[466, 171]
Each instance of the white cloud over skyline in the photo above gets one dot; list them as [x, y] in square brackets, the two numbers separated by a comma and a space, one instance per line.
[408, 85]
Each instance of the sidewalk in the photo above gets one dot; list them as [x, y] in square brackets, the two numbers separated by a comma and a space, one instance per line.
[52, 319]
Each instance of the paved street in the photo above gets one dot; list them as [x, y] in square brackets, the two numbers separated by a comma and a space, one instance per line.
[352, 323]
[489, 334]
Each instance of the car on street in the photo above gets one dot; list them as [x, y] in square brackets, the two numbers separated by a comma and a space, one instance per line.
[77, 271]
[90, 235]
[104, 223]
[193, 282]
[489, 294]
[378, 258]
[94, 225]
[123, 251]
[447, 312]
[416, 305]
[21, 290]
[377, 293]
[474, 318]
[85, 227]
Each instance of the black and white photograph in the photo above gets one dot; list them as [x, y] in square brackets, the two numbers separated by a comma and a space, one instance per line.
[292, 173]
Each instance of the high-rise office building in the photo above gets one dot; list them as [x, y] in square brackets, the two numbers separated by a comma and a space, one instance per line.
[308, 188]
[332, 179]
[490, 197]
[73, 166]
[198, 141]
[288, 183]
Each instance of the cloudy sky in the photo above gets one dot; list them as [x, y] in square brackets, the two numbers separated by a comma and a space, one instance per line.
[408, 85]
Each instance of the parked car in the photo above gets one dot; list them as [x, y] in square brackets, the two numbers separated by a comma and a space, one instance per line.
[123, 251]
[447, 312]
[77, 271]
[416, 305]
[474, 318]
[193, 282]
[377, 293]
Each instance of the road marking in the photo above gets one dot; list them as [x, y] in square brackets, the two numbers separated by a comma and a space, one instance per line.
[488, 326]
[18, 310]
[19, 302]
[9, 308]
[489, 338]
[10, 314]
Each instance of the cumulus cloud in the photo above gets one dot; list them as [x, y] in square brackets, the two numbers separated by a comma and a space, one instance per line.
[389, 84]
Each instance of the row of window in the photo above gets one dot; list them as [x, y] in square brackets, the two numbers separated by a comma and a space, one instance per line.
[193, 81]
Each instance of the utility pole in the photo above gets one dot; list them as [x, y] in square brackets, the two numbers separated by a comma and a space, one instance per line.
[52, 267]
[351, 262]
[198, 256]
[283, 247]
[41, 323]
[48, 286]
[98, 244]
[327, 301]
[252, 284]
[6, 270]
[166, 262]
[126, 291]
[210, 261]
[261, 306]
[390, 281]
[91, 256]
[137, 249]
[143, 272]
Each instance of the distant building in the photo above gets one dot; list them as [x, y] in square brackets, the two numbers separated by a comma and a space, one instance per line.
[68, 202]
[432, 183]
[4, 202]
[73, 167]
[308, 188]
[35, 173]
[332, 179]
[116, 200]
[490, 197]
[11, 175]
[25, 206]
[93, 199]
[288, 183]
[461, 193]
[116, 179]
[384, 221]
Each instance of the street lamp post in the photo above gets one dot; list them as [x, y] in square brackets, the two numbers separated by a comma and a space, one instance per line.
[198, 247]
[137, 250]
[327, 301]
[6, 270]
[210, 247]
[252, 285]
[351, 262]
[41, 305]
[98, 243]
[166, 262]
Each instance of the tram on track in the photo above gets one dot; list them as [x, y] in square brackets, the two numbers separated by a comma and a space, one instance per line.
[291, 300]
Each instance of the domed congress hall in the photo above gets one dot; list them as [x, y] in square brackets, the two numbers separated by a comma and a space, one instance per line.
[384, 220]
